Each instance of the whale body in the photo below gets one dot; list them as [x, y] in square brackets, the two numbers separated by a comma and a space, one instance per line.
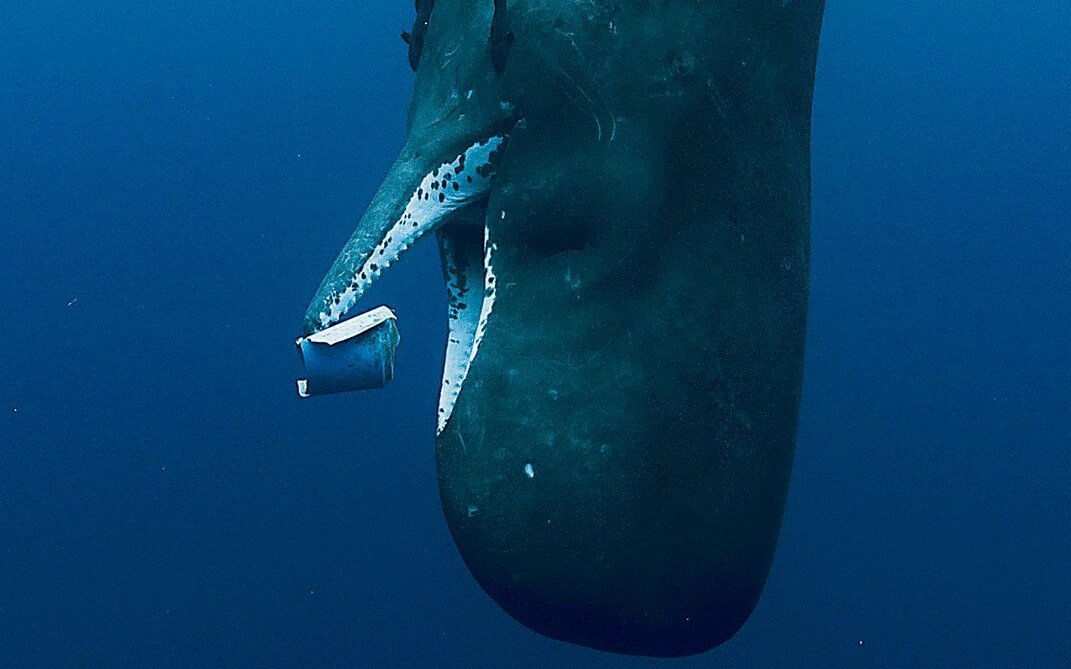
[620, 191]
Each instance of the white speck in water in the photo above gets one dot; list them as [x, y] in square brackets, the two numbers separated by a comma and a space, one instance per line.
[529, 470]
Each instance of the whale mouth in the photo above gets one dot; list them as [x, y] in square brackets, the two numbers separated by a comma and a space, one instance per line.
[450, 200]
[466, 251]
[462, 183]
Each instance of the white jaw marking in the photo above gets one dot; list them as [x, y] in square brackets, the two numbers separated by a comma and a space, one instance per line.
[450, 187]
[464, 280]
[488, 294]
[464, 275]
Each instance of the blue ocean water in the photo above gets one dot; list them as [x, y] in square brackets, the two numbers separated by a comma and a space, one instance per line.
[175, 178]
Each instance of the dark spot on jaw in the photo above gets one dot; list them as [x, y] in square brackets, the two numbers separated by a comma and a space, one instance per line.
[374, 267]
[442, 197]
[457, 186]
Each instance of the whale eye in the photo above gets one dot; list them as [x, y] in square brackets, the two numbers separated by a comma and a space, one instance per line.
[501, 37]
[415, 38]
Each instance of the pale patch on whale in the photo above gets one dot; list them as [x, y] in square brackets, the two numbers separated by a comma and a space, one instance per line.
[467, 325]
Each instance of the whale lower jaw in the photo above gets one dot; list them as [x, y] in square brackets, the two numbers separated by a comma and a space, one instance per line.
[452, 201]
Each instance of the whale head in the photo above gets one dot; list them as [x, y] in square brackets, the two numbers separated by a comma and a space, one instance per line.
[620, 195]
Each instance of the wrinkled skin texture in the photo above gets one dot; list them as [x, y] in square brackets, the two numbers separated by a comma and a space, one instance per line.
[616, 465]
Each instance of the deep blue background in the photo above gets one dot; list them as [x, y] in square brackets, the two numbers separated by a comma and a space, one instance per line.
[175, 180]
